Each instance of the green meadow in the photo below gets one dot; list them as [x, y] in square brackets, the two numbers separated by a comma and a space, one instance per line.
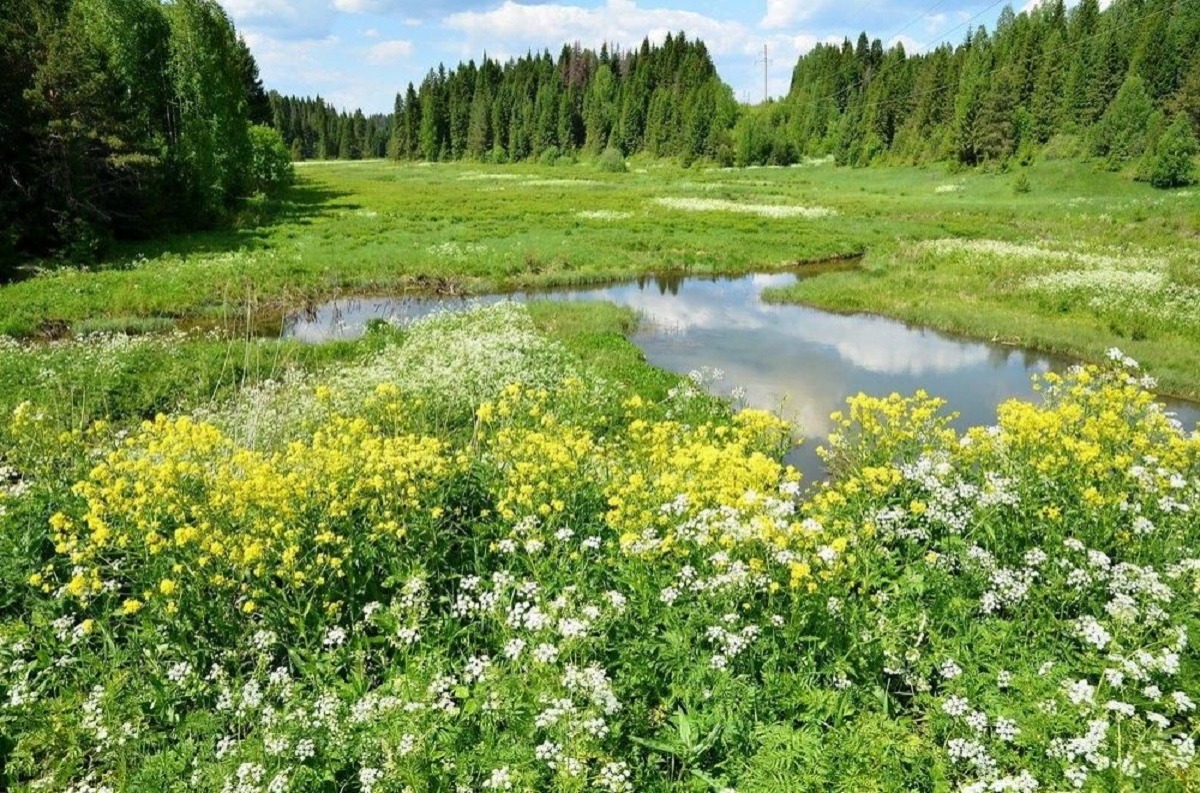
[964, 252]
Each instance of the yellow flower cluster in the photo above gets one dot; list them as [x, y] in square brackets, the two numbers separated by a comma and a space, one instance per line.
[875, 431]
[181, 510]
[541, 470]
[1096, 444]
[1094, 428]
[539, 457]
[706, 466]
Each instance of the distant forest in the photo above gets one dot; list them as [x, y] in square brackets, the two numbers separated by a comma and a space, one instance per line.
[1114, 79]
[666, 100]
[124, 119]
[313, 129]
[1086, 82]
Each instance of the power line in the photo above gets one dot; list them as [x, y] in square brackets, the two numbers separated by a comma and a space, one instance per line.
[862, 81]
[917, 19]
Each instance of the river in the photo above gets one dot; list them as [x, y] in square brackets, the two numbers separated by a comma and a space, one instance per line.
[800, 361]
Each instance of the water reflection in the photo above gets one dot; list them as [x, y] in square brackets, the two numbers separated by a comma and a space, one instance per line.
[802, 361]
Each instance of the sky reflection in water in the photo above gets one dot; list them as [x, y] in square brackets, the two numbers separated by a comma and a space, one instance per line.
[801, 361]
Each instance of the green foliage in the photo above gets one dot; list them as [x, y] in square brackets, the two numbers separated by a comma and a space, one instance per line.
[611, 160]
[1174, 161]
[213, 145]
[1021, 184]
[662, 99]
[270, 161]
[760, 137]
[122, 118]
[1121, 134]
[1039, 74]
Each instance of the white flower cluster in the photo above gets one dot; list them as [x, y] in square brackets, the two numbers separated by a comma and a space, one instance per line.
[12, 487]
[777, 211]
[456, 251]
[451, 360]
[604, 214]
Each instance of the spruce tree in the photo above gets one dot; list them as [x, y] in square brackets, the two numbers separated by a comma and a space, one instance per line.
[1121, 133]
[1174, 156]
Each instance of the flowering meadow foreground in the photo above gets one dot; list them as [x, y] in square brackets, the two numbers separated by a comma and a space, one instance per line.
[469, 563]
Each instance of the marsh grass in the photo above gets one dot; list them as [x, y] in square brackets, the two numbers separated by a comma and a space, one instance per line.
[378, 227]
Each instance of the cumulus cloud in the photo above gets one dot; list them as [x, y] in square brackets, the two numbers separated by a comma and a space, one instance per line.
[283, 19]
[785, 13]
[390, 51]
[329, 67]
[518, 25]
[414, 12]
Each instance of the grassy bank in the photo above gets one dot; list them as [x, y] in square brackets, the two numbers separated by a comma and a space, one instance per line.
[1052, 259]
[125, 379]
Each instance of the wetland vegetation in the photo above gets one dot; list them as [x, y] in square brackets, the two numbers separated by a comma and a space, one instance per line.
[502, 529]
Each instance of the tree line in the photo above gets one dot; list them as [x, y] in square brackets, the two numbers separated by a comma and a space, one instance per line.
[124, 118]
[314, 129]
[665, 100]
[1122, 84]
[1110, 84]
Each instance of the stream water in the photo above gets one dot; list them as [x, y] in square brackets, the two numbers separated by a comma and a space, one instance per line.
[802, 361]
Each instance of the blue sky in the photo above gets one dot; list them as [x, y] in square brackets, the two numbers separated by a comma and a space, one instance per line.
[359, 53]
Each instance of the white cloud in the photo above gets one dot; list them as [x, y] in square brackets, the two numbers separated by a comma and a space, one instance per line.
[361, 6]
[328, 67]
[785, 13]
[516, 26]
[390, 51]
[283, 19]
[911, 45]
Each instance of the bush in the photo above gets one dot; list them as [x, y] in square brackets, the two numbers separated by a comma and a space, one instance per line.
[1173, 164]
[270, 161]
[612, 161]
[549, 156]
[1062, 147]
[1021, 184]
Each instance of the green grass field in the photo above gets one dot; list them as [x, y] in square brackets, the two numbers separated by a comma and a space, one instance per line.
[372, 227]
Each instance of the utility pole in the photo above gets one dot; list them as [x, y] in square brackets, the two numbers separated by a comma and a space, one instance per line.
[765, 62]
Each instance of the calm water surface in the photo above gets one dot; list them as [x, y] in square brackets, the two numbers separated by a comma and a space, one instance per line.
[801, 361]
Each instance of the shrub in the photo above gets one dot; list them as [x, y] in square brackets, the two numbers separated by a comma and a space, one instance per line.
[1173, 164]
[270, 161]
[1021, 184]
[612, 161]
[549, 156]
